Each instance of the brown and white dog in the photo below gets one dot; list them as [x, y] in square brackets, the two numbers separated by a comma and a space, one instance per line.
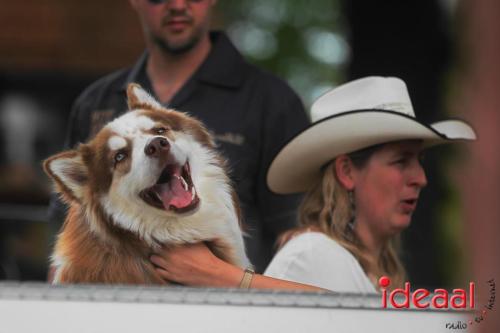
[149, 178]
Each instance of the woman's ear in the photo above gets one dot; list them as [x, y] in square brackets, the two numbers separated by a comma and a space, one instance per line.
[344, 170]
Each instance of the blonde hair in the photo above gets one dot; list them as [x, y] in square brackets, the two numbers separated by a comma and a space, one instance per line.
[326, 207]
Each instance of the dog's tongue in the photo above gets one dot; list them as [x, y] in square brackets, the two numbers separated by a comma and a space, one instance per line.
[173, 193]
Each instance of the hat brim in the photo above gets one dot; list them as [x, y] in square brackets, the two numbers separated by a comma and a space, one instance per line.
[297, 166]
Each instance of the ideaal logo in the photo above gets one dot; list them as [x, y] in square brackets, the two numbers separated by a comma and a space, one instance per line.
[439, 300]
[460, 299]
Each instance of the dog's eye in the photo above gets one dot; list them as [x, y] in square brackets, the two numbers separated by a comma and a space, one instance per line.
[120, 156]
[160, 130]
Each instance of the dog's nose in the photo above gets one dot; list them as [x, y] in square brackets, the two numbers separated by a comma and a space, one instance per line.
[156, 147]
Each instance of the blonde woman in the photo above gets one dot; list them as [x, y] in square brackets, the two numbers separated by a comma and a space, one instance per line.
[351, 218]
[359, 164]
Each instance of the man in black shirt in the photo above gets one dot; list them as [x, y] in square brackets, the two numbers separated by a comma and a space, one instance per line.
[250, 113]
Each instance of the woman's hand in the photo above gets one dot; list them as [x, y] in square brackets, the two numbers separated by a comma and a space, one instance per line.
[195, 265]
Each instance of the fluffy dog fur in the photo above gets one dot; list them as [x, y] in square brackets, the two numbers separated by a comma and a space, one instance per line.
[127, 198]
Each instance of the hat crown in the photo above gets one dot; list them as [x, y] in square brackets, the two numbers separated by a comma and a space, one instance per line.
[374, 92]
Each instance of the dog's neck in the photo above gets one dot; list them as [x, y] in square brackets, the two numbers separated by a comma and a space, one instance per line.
[109, 233]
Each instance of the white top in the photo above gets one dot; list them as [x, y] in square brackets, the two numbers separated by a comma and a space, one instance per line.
[314, 258]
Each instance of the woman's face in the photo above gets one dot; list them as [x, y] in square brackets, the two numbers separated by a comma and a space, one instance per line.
[388, 186]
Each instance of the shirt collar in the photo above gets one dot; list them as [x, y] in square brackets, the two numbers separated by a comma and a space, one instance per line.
[224, 65]
[138, 72]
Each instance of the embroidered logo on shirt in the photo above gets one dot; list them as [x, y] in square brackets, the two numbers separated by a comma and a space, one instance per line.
[232, 138]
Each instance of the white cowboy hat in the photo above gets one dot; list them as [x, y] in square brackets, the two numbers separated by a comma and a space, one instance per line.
[353, 116]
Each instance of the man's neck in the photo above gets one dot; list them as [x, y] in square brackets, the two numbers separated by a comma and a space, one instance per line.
[169, 72]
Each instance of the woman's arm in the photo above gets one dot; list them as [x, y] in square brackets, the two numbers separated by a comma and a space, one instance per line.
[196, 265]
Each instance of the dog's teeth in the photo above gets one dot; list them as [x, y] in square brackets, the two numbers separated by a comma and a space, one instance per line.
[184, 183]
[193, 193]
[157, 196]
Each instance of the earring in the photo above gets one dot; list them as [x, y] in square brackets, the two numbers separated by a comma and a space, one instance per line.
[350, 224]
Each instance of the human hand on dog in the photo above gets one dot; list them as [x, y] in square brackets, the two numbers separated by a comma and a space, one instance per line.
[195, 265]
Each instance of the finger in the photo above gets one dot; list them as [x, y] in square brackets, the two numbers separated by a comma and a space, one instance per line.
[164, 274]
[158, 261]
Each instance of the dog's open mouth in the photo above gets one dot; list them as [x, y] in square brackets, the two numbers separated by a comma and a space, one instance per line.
[173, 191]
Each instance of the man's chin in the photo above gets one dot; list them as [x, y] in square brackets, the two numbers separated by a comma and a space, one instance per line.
[177, 44]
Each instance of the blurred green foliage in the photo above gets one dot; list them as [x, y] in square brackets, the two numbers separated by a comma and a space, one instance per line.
[301, 41]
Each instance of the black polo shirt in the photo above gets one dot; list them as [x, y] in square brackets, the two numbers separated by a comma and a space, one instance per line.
[251, 114]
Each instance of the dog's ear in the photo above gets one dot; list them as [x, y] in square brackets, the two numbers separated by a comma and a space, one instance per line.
[69, 173]
[139, 98]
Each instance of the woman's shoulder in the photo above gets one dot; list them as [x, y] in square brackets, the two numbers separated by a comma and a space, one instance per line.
[316, 259]
[315, 241]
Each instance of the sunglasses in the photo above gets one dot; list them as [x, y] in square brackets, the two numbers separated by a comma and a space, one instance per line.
[158, 2]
